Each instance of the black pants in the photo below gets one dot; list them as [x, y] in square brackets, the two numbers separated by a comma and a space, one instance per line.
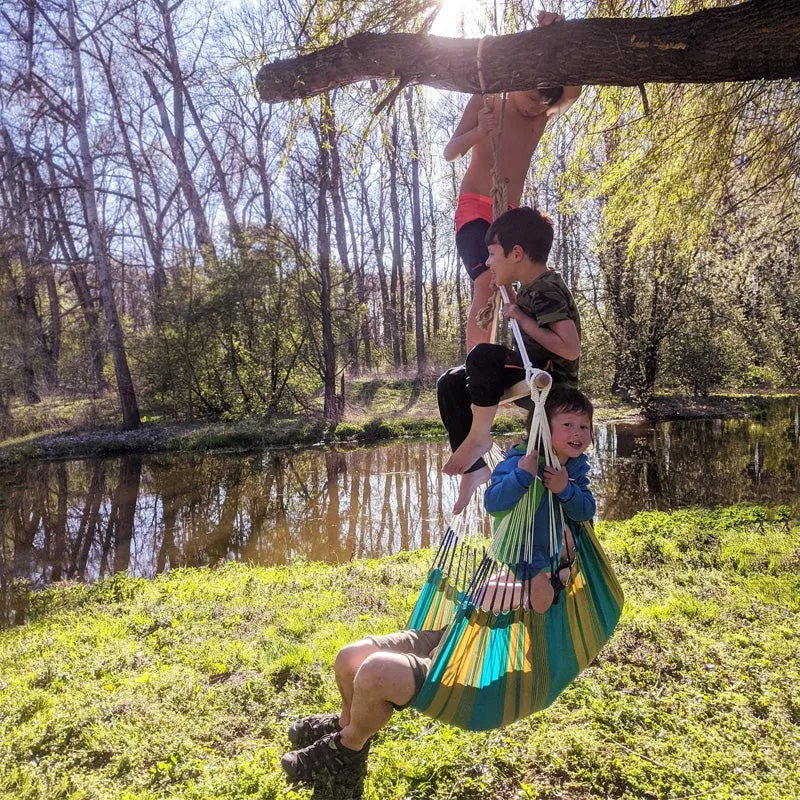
[471, 247]
[490, 369]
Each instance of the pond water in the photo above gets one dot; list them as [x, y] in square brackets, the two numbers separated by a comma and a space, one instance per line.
[85, 519]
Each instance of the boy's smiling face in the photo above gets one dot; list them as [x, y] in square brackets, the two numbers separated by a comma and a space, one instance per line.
[571, 433]
[503, 267]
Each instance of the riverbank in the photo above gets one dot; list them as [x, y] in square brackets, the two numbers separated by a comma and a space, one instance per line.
[182, 686]
[377, 410]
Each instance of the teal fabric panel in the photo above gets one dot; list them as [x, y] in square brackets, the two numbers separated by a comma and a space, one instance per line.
[560, 653]
[608, 609]
[425, 599]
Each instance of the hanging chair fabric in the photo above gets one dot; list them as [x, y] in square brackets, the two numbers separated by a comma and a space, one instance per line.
[463, 547]
[494, 668]
[445, 587]
[499, 660]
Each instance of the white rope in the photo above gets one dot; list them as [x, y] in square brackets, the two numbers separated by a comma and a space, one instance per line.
[539, 437]
[538, 380]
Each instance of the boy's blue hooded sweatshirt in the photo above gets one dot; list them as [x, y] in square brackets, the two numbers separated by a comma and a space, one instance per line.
[509, 483]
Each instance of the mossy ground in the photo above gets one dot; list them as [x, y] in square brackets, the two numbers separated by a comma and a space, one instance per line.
[182, 687]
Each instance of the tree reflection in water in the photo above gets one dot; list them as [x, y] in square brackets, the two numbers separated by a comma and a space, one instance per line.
[83, 520]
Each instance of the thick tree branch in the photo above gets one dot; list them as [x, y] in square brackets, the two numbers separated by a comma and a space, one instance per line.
[758, 39]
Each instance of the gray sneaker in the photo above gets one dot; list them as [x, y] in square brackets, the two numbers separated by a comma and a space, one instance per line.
[307, 730]
[327, 758]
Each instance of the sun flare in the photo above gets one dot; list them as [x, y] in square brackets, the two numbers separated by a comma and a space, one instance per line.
[459, 18]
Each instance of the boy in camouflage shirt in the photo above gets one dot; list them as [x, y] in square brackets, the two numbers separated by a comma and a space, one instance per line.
[519, 243]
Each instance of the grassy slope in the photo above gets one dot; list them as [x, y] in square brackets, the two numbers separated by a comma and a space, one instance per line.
[182, 687]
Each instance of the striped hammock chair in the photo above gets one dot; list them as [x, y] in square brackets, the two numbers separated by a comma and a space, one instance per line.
[499, 660]
[462, 549]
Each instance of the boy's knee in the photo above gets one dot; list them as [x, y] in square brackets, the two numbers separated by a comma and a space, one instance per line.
[350, 658]
[452, 381]
[483, 357]
[541, 593]
[374, 670]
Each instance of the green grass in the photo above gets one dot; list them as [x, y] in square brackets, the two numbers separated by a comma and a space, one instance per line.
[183, 686]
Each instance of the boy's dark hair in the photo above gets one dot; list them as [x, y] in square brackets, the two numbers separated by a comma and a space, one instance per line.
[565, 399]
[532, 230]
[551, 94]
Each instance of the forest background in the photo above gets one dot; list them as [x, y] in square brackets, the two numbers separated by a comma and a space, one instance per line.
[166, 236]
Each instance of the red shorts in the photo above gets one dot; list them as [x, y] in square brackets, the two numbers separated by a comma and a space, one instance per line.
[472, 206]
[473, 217]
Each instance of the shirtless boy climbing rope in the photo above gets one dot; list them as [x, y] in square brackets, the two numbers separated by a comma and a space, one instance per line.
[523, 122]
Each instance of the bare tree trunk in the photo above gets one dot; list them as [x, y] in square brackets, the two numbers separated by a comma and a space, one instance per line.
[219, 173]
[361, 286]
[397, 252]
[416, 221]
[263, 174]
[332, 408]
[379, 244]
[16, 307]
[202, 230]
[330, 136]
[460, 300]
[127, 393]
[759, 39]
[21, 196]
[77, 273]
[434, 274]
[34, 202]
[156, 251]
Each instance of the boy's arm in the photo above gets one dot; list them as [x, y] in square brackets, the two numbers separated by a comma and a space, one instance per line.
[568, 98]
[507, 486]
[560, 337]
[468, 131]
[577, 499]
[570, 93]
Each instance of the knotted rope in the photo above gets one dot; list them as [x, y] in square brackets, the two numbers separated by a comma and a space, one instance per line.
[499, 193]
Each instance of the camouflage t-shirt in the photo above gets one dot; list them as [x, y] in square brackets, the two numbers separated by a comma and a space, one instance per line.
[548, 300]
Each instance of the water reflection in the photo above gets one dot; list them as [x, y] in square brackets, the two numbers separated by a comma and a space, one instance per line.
[86, 519]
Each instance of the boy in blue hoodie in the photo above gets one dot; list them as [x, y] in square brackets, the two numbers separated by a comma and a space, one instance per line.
[569, 414]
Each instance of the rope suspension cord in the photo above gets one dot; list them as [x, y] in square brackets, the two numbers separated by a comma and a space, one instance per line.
[499, 191]
[539, 438]
[538, 380]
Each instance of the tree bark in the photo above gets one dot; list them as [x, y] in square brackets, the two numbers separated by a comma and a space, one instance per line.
[759, 39]
[174, 136]
[361, 286]
[434, 272]
[154, 245]
[332, 407]
[379, 245]
[127, 393]
[77, 272]
[416, 221]
[330, 135]
[398, 334]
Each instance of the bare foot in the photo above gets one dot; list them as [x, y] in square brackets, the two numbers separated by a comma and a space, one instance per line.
[468, 452]
[470, 481]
